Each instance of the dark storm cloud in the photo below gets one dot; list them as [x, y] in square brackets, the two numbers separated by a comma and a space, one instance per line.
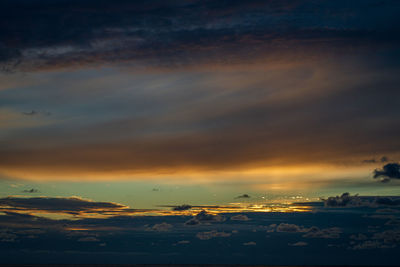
[389, 171]
[51, 34]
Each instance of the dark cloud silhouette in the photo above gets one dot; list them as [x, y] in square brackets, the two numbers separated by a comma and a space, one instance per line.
[389, 171]
[72, 205]
[31, 191]
[341, 201]
[243, 196]
[382, 159]
[182, 207]
[35, 112]
[204, 217]
[387, 201]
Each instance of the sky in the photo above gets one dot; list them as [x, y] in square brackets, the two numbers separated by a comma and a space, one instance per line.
[124, 120]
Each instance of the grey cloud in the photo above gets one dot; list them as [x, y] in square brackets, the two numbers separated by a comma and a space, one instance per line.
[290, 228]
[162, 227]
[211, 234]
[315, 232]
[312, 232]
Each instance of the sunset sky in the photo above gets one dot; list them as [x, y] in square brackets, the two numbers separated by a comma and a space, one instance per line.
[124, 110]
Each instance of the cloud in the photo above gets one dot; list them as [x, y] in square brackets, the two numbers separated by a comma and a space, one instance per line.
[315, 232]
[382, 159]
[240, 217]
[185, 34]
[341, 201]
[312, 232]
[74, 206]
[211, 234]
[30, 191]
[35, 112]
[389, 171]
[386, 201]
[243, 196]
[290, 228]
[182, 207]
[162, 227]
[204, 217]
[298, 244]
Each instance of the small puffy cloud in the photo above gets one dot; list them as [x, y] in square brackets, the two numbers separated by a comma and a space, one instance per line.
[162, 227]
[211, 234]
[298, 244]
[240, 217]
[312, 232]
[290, 228]
[388, 172]
[251, 243]
[243, 196]
[88, 239]
[315, 232]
